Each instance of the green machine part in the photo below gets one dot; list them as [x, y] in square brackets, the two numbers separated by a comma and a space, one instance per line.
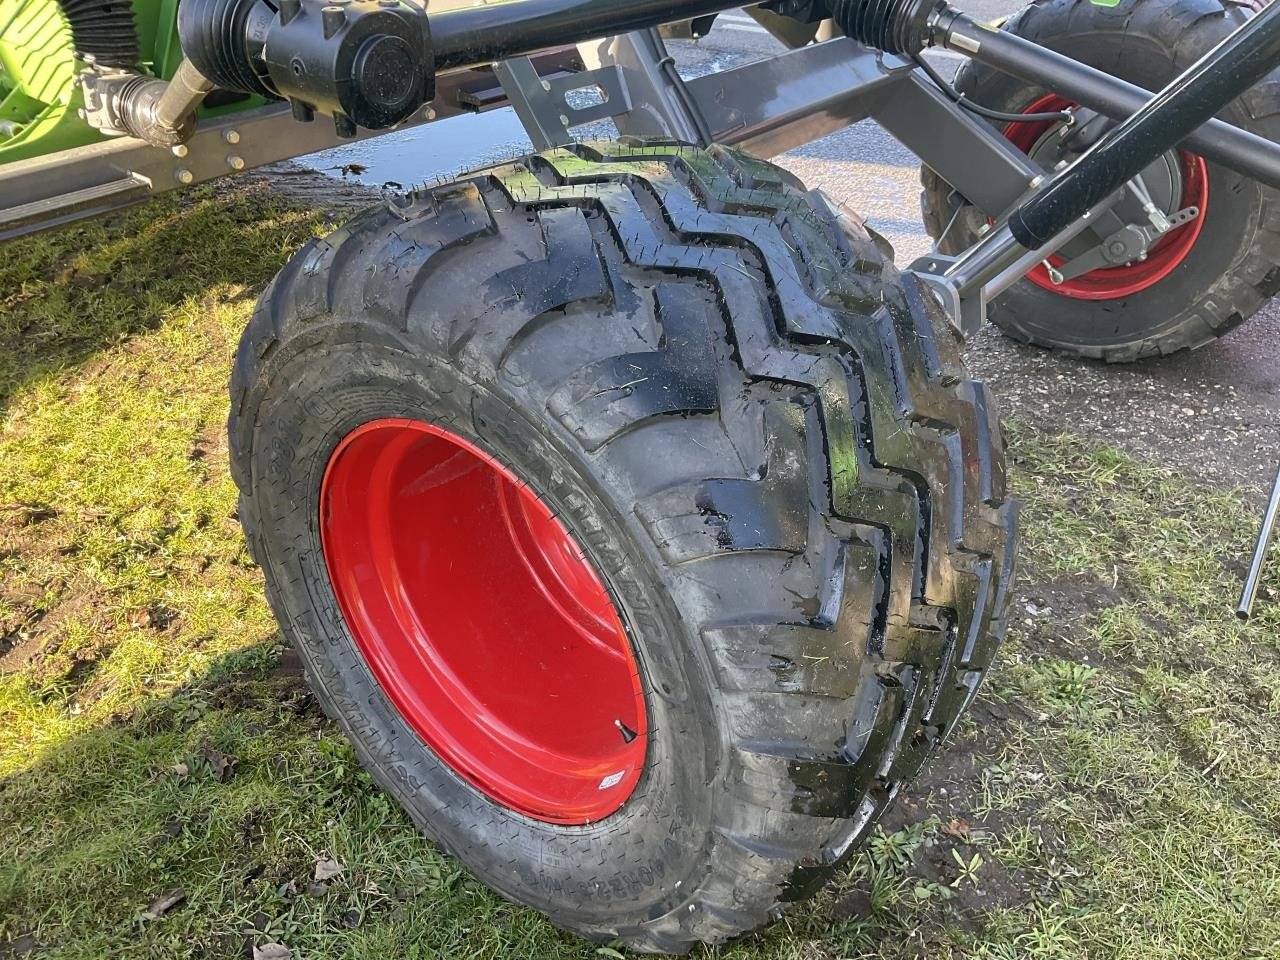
[39, 98]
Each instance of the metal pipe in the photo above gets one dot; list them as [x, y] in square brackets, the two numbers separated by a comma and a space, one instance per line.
[1216, 140]
[497, 31]
[1250, 593]
[174, 113]
[986, 259]
[1208, 85]
[966, 284]
[998, 260]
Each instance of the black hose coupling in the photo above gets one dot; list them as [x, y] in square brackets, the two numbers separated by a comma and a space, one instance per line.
[902, 27]
[366, 63]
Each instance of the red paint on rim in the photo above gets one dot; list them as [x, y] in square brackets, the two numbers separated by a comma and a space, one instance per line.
[1113, 283]
[481, 618]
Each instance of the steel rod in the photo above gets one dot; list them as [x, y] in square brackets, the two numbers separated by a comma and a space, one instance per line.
[177, 106]
[1250, 593]
[998, 261]
[496, 31]
[995, 263]
[1216, 140]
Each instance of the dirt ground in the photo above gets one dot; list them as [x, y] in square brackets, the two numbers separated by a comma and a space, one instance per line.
[1210, 414]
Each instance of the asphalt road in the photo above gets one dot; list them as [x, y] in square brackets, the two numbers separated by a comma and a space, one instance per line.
[1211, 414]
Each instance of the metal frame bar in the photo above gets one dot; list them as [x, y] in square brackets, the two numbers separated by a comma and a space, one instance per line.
[1216, 140]
[984, 167]
[485, 33]
[771, 106]
[46, 192]
[767, 107]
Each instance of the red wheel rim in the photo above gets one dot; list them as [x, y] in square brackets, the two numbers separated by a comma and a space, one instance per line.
[483, 621]
[1113, 283]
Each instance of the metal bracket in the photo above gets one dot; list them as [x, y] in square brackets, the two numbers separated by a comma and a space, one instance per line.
[1126, 245]
[660, 103]
[550, 106]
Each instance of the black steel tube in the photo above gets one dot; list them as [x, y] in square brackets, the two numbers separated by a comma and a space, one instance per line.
[1250, 592]
[1221, 142]
[1213, 81]
[496, 31]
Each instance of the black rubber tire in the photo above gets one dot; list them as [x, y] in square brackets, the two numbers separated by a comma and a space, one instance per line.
[1232, 269]
[762, 435]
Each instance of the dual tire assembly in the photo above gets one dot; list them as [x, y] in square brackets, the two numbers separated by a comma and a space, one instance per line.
[635, 518]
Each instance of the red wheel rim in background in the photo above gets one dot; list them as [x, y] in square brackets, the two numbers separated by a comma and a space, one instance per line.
[483, 621]
[1113, 283]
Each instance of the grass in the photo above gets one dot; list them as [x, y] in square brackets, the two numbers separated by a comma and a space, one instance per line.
[168, 787]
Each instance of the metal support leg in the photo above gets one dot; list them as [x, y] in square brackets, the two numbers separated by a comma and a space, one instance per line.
[983, 166]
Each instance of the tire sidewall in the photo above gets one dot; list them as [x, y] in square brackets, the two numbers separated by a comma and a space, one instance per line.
[642, 858]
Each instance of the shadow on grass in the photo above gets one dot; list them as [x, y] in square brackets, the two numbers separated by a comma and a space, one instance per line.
[193, 827]
[208, 807]
[68, 294]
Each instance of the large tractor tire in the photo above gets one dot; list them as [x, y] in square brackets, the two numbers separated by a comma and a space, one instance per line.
[1200, 280]
[634, 518]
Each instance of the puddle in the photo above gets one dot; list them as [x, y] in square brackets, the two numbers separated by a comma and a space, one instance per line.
[427, 153]
[453, 146]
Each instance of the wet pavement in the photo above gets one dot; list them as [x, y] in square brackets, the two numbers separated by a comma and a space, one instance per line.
[1211, 414]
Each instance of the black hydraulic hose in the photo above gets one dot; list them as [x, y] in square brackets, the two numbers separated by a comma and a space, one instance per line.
[1223, 143]
[105, 33]
[1057, 116]
[496, 31]
[1208, 85]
